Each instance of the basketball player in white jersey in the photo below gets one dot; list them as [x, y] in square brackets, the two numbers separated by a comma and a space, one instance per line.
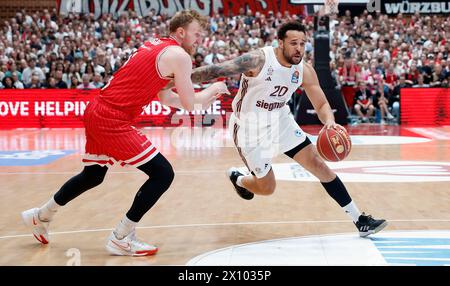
[263, 127]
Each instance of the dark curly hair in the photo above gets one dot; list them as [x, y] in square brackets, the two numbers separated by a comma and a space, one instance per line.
[290, 26]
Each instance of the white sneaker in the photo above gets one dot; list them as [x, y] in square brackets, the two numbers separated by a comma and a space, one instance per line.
[129, 246]
[390, 116]
[38, 228]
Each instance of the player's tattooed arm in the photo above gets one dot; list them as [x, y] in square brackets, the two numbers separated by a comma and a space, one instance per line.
[250, 63]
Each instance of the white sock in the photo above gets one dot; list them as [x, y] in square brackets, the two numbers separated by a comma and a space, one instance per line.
[48, 210]
[124, 227]
[239, 181]
[352, 210]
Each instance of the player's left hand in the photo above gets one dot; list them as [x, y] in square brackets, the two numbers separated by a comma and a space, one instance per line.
[208, 98]
[333, 125]
[220, 88]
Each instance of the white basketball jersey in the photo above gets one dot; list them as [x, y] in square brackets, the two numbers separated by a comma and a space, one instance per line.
[270, 90]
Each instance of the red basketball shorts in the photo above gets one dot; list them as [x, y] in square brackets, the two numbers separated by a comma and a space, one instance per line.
[111, 138]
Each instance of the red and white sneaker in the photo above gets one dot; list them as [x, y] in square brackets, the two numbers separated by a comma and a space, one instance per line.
[38, 228]
[129, 246]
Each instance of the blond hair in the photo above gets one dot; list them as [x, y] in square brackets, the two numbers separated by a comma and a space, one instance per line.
[184, 18]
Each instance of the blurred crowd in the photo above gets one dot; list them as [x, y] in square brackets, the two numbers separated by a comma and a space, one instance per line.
[370, 52]
[46, 50]
[374, 56]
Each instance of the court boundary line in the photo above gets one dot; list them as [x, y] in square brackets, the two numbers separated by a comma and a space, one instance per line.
[109, 172]
[220, 224]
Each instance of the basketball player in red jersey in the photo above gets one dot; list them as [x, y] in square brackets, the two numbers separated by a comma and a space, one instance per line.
[111, 137]
[263, 127]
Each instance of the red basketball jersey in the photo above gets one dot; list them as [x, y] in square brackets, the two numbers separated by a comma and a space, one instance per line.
[138, 81]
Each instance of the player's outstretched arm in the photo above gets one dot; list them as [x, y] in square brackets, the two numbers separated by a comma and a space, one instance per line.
[249, 62]
[203, 99]
[317, 97]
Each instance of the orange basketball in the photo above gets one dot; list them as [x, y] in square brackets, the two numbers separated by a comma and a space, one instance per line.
[334, 144]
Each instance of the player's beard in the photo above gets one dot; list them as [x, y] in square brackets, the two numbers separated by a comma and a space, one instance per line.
[189, 49]
[290, 59]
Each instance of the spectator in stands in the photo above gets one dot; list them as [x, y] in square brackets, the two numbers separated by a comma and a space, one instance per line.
[8, 82]
[334, 75]
[446, 82]
[13, 68]
[35, 82]
[98, 81]
[413, 73]
[198, 60]
[214, 53]
[445, 66]
[51, 83]
[254, 41]
[420, 82]
[86, 83]
[380, 102]
[386, 55]
[390, 78]
[365, 69]
[364, 107]
[67, 76]
[249, 19]
[88, 69]
[100, 57]
[43, 64]
[74, 82]
[438, 76]
[374, 77]
[219, 39]
[114, 56]
[399, 67]
[232, 41]
[349, 73]
[17, 83]
[394, 99]
[30, 71]
[59, 82]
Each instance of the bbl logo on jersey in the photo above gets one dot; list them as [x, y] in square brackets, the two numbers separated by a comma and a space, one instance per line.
[295, 77]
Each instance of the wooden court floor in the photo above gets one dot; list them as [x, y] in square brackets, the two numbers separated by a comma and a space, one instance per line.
[201, 212]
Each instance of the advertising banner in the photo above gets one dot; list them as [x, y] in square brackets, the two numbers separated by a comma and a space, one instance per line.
[64, 108]
[170, 7]
[425, 106]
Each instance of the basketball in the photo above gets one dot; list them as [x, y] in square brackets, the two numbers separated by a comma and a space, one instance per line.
[334, 145]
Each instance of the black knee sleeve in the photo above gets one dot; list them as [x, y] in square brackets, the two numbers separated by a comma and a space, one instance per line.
[161, 176]
[94, 178]
[90, 177]
[159, 168]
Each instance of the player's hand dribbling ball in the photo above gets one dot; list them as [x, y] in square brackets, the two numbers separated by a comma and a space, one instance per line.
[334, 144]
